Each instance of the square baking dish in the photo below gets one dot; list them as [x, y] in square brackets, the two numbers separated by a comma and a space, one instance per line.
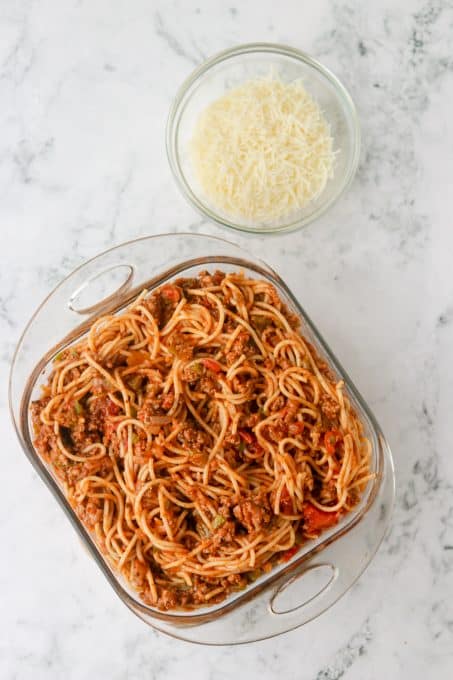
[324, 569]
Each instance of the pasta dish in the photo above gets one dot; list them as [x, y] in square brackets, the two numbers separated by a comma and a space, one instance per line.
[200, 438]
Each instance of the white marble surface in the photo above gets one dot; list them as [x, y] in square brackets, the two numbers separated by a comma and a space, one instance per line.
[85, 87]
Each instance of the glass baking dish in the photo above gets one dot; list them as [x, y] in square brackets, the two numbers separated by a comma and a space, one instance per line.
[324, 569]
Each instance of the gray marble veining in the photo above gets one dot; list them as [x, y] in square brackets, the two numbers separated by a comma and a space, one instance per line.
[85, 88]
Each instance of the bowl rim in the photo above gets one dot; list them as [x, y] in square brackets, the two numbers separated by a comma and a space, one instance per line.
[179, 104]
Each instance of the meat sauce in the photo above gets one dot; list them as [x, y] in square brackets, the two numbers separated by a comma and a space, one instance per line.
[93, 418]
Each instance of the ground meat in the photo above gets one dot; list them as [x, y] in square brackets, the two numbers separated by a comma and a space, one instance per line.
[236, 580]
[193, 438]
[142, 450]
[253, 512]
[80, 434]
[277, 431]
[168, 599]
[45, 440]
[233, 456]
[208, 385]
[100, 411]
[181, 346]
[233, 439]
[187, 284]
[240, 385]
[291, 410]
[189, 541]
[168, 400]
[193, 372]
[277, 404]
[150, 497]
[240, 346]
[200, 591]
[328, 492]
[77, 471]
[90, 513]
[208, 280]
[155, 305]
[152, 406]
[161, 307]
[67, 417]
[261, 322]
[250, 420]
[225, 534]
[87, 429]
[329, 407]
[233, 582]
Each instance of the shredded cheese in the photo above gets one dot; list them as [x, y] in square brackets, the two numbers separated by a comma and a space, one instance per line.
[263, 150]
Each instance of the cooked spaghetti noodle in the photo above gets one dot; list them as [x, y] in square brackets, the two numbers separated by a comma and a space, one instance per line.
[200, 438]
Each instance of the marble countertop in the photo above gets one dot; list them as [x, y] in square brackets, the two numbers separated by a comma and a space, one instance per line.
[85, 88]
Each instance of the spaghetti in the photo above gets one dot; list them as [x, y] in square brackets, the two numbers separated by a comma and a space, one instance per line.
[200, 438]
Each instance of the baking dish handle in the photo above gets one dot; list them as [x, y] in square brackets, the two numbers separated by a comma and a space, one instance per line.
[106, 278]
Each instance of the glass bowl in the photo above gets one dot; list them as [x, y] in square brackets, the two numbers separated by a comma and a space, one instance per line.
[325, 568]
[231, 68]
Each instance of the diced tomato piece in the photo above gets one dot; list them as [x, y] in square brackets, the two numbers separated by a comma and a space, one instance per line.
[212, 365]
[316, 520]
[246, 436]
[137, 357]
[252, 444]
[290, 553]
[296, 428]
[331, 439]
[171, 293]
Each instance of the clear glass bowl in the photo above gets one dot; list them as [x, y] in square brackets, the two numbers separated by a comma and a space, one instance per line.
[230, 69]
[325, 568]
